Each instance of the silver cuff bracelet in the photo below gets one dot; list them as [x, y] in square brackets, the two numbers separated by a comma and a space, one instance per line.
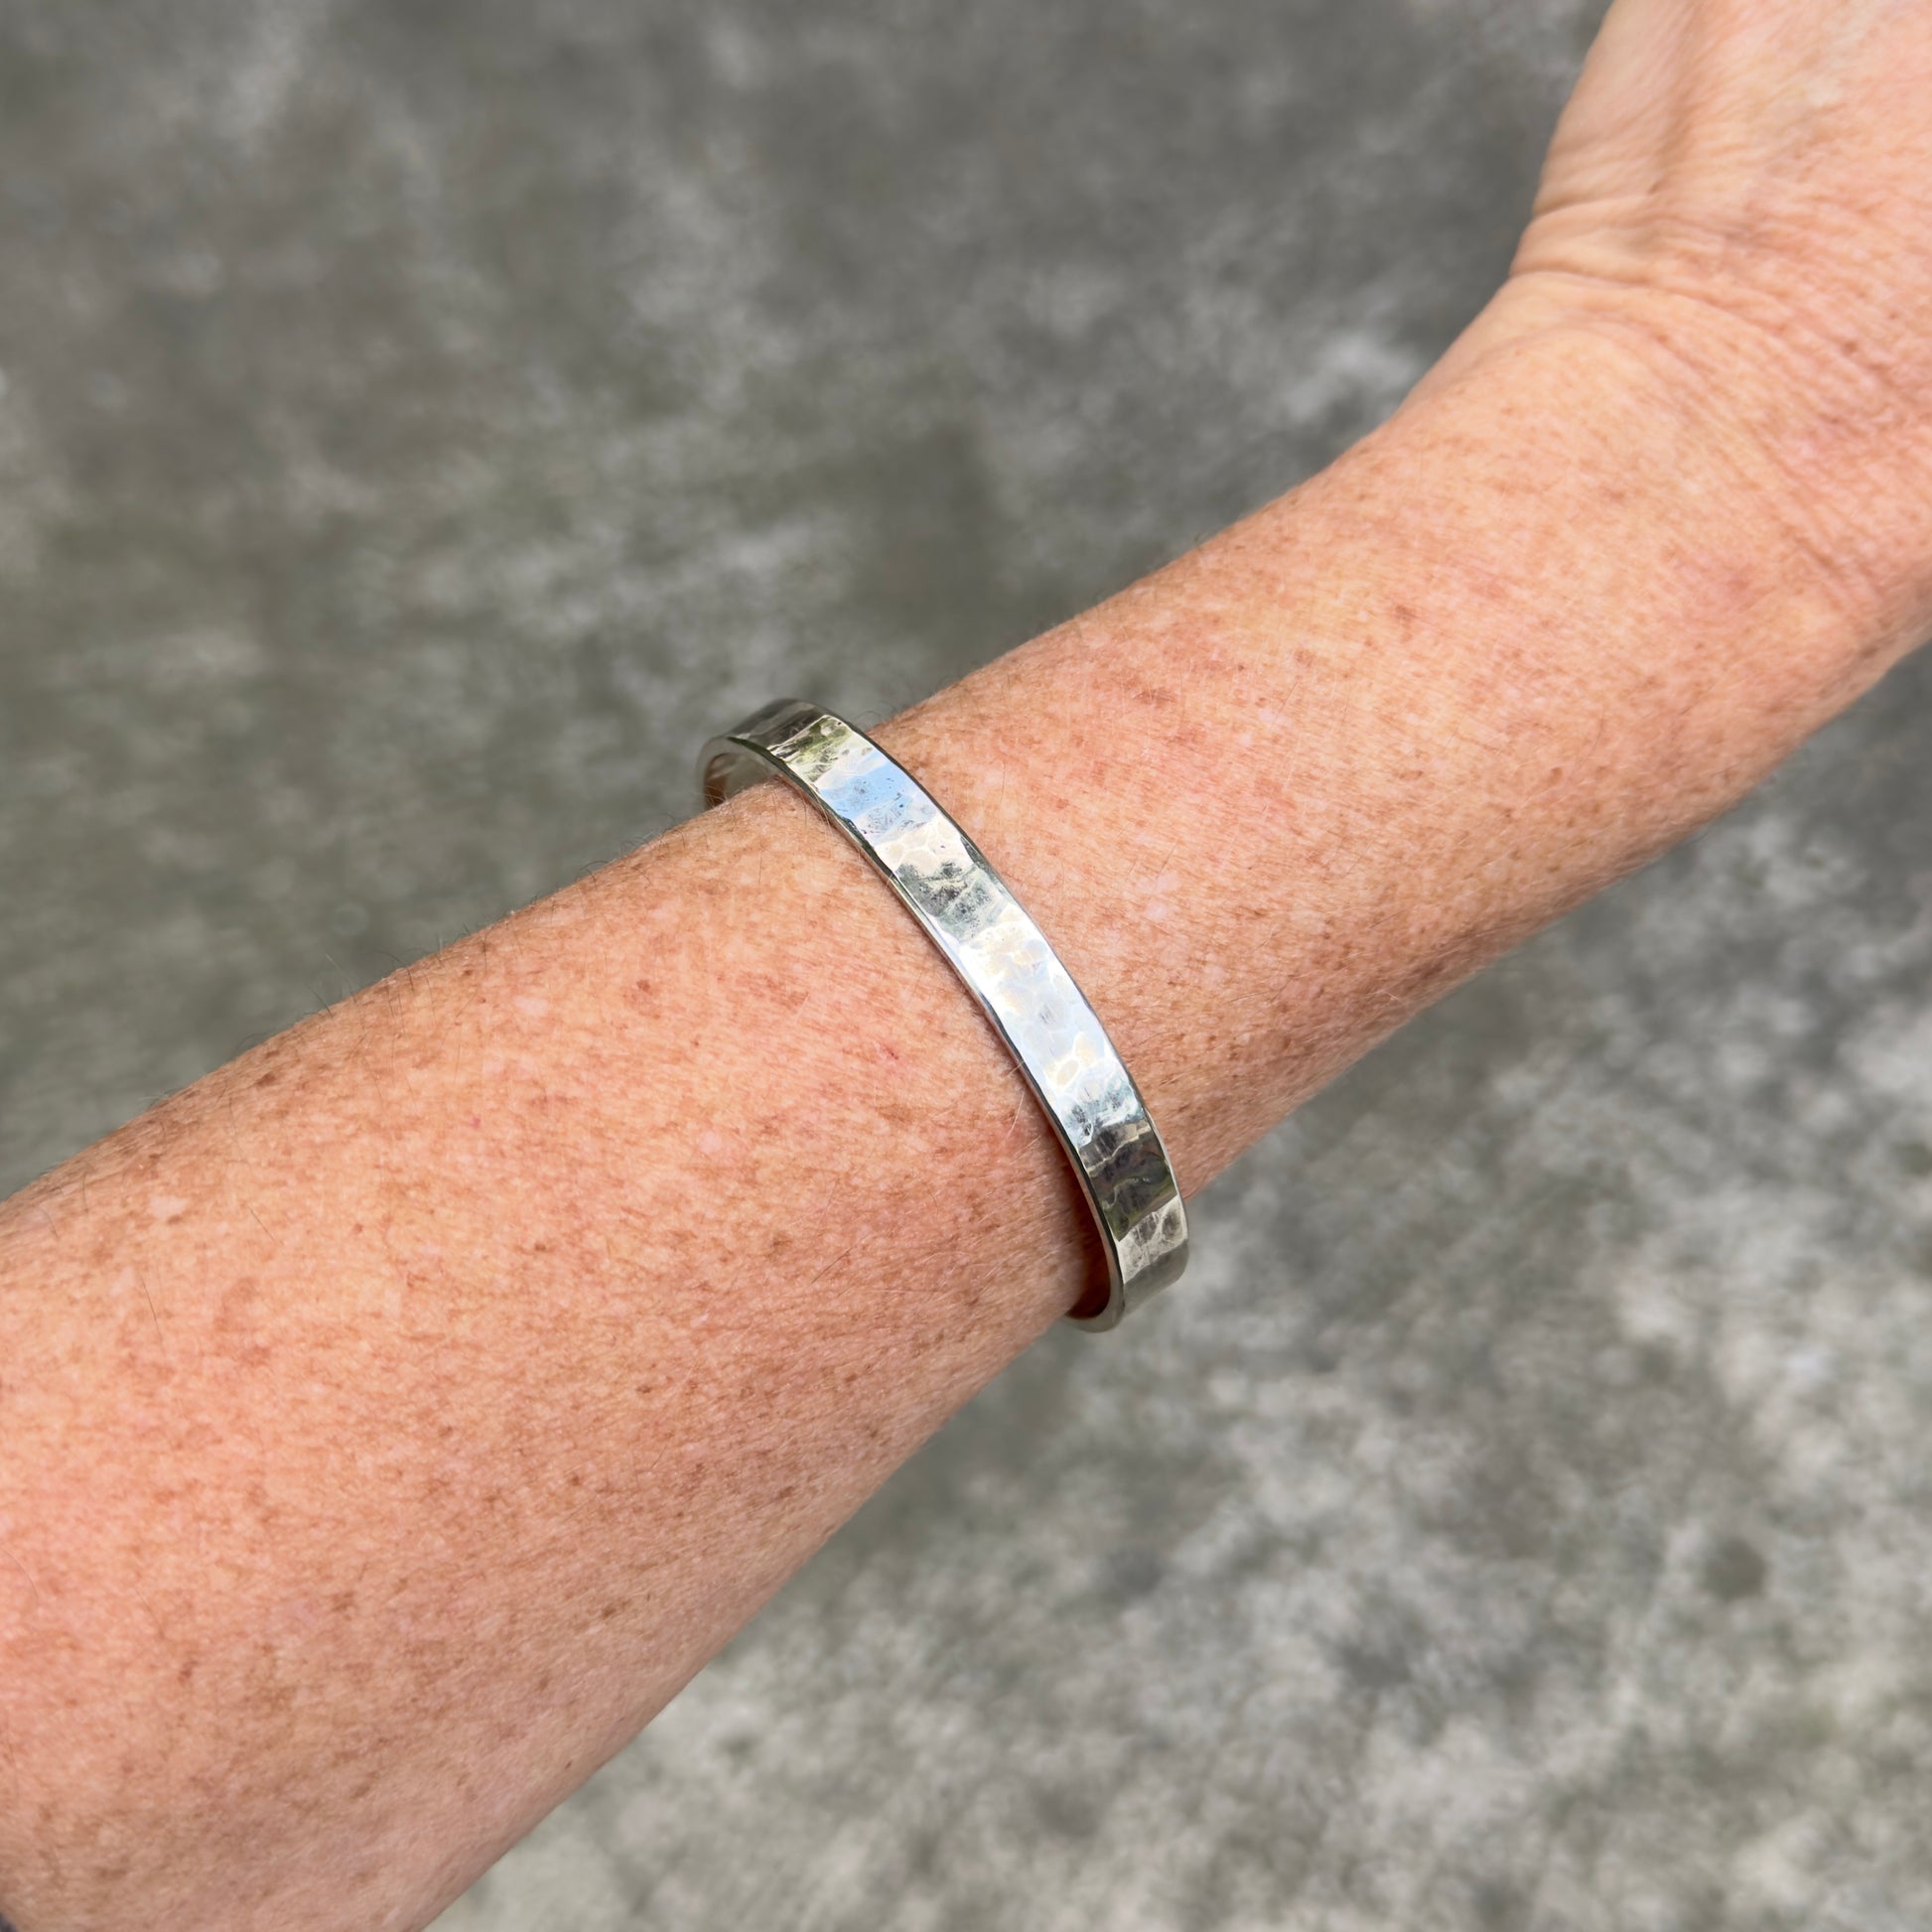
[1009, 968]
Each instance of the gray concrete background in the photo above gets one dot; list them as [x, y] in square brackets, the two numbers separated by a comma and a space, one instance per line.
[423, 422]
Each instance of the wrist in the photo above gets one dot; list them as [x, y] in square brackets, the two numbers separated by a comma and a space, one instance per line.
[1813, 441]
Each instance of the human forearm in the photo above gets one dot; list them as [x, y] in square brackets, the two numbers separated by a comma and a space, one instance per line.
[437, 1386]
[1544, 622]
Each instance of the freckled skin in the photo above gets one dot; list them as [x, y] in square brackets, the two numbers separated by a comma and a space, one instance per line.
[395, 1419]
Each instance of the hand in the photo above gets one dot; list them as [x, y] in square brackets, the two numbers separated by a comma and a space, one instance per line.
[1741, 191]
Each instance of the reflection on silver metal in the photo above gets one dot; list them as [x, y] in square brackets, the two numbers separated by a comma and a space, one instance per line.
[1006, 962]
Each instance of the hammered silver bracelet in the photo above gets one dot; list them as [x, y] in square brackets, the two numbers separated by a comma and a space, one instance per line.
[990, 942]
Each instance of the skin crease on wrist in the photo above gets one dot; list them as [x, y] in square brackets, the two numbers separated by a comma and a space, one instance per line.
[397, 1418]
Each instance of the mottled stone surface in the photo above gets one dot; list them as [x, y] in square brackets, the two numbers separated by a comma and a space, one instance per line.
[423, 423]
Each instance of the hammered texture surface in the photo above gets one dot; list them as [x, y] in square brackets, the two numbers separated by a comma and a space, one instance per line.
[1007, 964]
[423, 425]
